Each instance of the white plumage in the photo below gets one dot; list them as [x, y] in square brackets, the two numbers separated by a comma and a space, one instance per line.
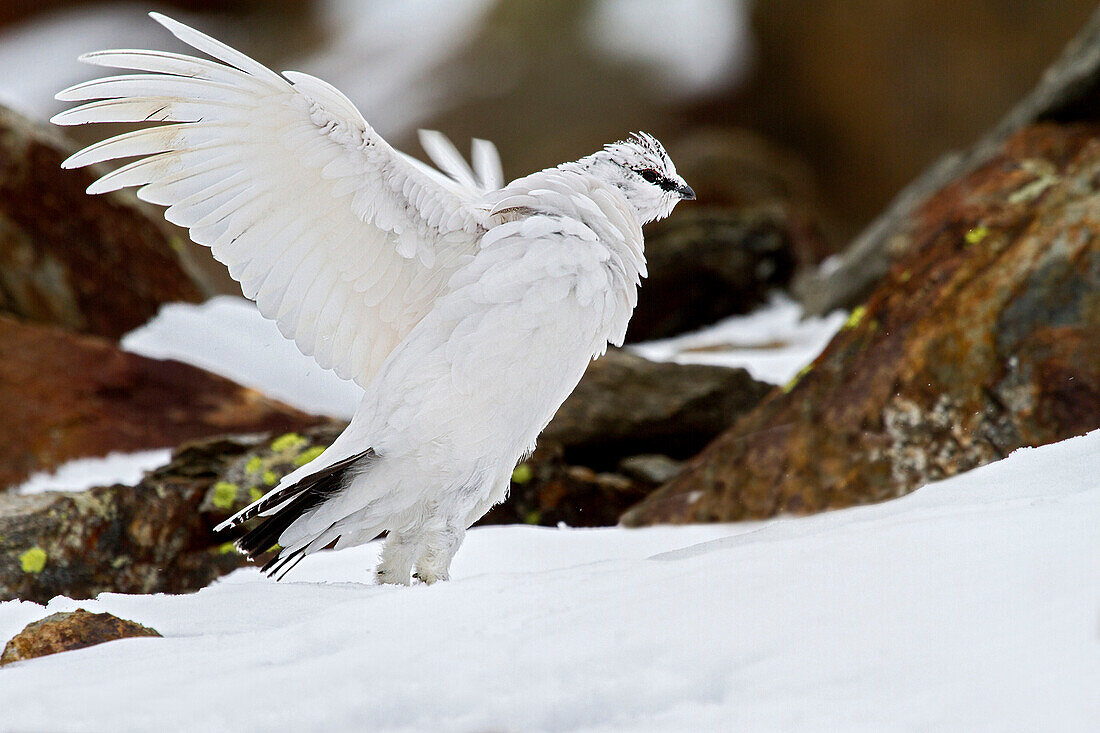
[467, 310]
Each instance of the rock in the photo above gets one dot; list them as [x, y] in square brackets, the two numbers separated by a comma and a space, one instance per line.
[982, 339]
[547, 491]
[650, 468]
[706, 264]
[1067, 92]
[587, 469]
[66, 396]
[155, 537]
[625, 405]
[62, 632]
[97, 264]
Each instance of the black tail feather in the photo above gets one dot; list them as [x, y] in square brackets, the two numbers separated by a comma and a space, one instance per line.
[308, 493]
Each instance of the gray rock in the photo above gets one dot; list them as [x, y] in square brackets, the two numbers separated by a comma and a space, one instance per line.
[626, 405]
[151, 538]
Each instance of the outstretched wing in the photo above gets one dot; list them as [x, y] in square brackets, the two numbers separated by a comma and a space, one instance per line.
[339, 238]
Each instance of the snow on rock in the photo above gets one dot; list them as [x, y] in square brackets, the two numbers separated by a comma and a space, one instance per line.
[84, 473]
[228, 336]
[773, 343]
[967, 605]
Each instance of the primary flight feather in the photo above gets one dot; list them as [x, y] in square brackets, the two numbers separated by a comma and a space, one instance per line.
[466, 309]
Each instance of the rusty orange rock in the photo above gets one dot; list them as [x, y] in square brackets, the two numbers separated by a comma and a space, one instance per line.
[985, 337]
[66, 396]
[62, 632]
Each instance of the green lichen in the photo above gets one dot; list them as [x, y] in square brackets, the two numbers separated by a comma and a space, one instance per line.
[905, 275]
[308, 455]
[255, 464]
[976, 235]
[254, 494]
[225, 494]
[270, 478]
[33, 560]
[856, 317]
[522, 474]
[797, 378]
[289, 441]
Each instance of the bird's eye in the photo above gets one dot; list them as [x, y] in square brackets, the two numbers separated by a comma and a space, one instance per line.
[649, 174]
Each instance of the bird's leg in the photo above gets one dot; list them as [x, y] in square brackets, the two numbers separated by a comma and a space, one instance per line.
[440, 547]
[396, 564]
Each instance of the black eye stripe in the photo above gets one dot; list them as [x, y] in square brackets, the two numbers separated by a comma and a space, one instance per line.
[652, 176]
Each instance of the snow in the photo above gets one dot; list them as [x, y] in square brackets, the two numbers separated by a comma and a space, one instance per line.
[702, 46]
[773, 343]
[969, 605]
[84, 473]
[228, 336]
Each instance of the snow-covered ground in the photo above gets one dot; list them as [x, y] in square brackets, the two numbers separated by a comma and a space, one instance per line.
[970, 605]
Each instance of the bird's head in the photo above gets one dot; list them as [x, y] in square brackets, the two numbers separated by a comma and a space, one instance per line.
[641, 169]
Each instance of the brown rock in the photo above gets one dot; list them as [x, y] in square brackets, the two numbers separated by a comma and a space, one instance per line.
[983, 338]
[709, 263]
[587, 469]
[62, 632]
[546, 490]
[65, 396]
[98, 264]
[625, 405]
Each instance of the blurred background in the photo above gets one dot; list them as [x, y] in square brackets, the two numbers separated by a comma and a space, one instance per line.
[825, 107]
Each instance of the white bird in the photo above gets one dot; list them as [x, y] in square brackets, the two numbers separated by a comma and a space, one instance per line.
[466, 309]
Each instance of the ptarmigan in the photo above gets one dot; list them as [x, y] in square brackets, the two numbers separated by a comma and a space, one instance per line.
[467, 310]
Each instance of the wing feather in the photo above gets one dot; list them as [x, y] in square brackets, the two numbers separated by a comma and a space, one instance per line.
[343, 241]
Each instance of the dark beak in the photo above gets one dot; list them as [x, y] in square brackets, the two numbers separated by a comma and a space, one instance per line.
[686, 193]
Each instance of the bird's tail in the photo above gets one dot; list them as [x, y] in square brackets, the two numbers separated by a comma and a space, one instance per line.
[284, 506]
